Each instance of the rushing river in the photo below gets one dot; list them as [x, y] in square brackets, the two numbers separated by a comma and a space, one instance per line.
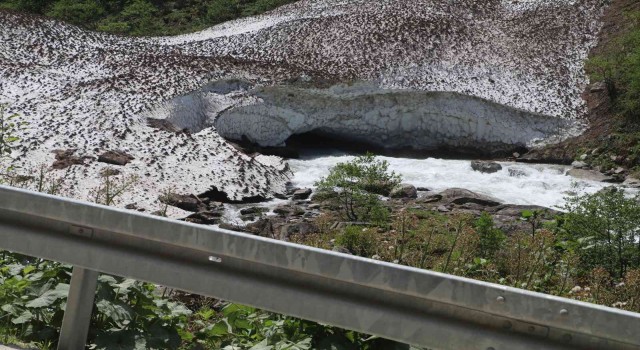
[517, 183]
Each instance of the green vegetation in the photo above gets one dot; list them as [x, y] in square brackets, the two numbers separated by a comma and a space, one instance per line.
[590, 253]
[356, 185]
[144, 17]
[130, 314]
[9, 125]
[605, 227]
[617, 65]
[619, 68]
[33, 294]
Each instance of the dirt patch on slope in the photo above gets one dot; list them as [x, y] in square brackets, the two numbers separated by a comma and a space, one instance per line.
[601, 117]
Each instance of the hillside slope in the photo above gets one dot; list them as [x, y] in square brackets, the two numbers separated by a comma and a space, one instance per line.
[490, 75]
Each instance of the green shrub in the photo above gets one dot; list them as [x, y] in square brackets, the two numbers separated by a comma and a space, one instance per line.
[605, 228]
[77, 12]
[358, 240]
[491, 238]
[33, 294]
[356, 185]
[222, 10]
[619, 68]
[144, 17]
[34, 6]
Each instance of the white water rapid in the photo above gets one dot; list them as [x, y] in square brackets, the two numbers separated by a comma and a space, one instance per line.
[517, 183]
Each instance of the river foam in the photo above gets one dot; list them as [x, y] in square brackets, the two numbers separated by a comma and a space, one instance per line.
[517, 183]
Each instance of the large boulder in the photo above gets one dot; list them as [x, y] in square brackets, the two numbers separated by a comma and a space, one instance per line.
[302, 193]
[485, 167]
[631, 182]
[404, 191]
[461, 196]
[184, 202]
[115, 158]
[590, 175]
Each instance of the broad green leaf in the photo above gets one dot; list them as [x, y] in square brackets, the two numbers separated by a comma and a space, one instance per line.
[178, 309]
[118, 312]
[10, 309]
[49, 297]
[125, 285]
[25, 317]
[304, 344]
[263, 345]
[220, 328]
[107, 279]
[28, 269]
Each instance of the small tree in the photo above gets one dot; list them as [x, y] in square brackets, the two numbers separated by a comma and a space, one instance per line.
[356, 185]
[606, 227]
[491, 237]
[111, 188]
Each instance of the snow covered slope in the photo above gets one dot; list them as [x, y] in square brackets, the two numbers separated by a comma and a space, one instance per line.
[417, 73]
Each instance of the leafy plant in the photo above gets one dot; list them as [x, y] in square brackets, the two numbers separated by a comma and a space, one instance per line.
[111, 187]
[128, 314]
[619, 68]
[356, 186]
[491, 238]
[605, 226]
[9, 127]
[358, 240]
[144, 17]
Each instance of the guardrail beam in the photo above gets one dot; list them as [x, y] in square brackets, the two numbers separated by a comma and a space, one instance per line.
[409, 305]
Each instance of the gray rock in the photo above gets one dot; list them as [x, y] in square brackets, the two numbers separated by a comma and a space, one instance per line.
[283, 210]
[485, 167]
[429, 198]
[253, 210]
[302, 193]
[343, 250]
[584, 156]
[404, 191]
[115, 158]
[443, 209]
[598, 87]
[461, 196]
[184, 202]
[590, 175]
[578, 164]
[631, 182]
[516, 173]
[513, 210]
[204, 217]
[248, 217]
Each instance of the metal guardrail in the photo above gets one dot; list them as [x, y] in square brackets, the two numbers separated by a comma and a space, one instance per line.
[409, 305]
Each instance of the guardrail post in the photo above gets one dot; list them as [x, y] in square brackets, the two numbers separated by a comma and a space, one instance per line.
[77, 315]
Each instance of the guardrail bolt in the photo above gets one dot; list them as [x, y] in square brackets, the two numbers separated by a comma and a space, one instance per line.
[500, 299]
[564, 312]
